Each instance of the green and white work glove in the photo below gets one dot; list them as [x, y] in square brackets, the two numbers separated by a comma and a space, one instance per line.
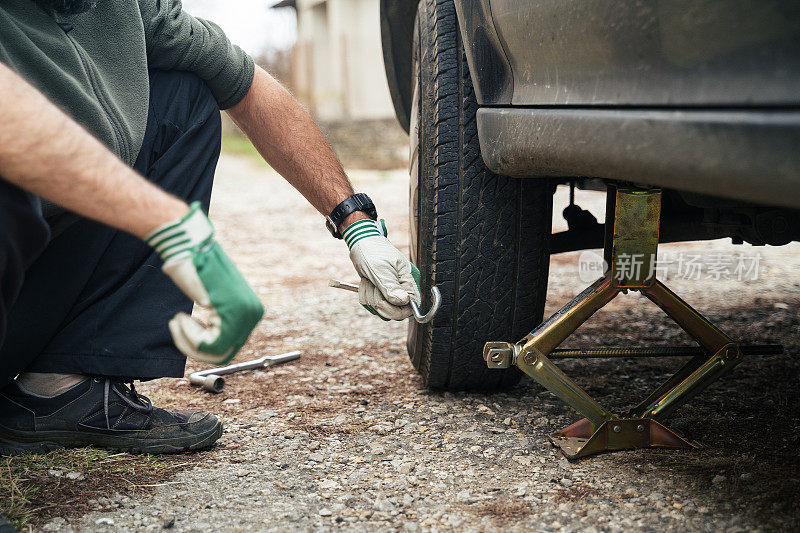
[199, 267]
[389, 281]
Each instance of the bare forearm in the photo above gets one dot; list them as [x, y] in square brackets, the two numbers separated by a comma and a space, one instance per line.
[289, 140]
[45, 152]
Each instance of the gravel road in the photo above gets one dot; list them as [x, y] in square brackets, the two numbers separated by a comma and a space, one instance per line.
[347, 437]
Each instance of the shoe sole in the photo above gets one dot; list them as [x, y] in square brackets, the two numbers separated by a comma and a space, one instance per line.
[17, 443]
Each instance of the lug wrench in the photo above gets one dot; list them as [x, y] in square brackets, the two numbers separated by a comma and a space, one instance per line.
[436, 300]
[212, 380]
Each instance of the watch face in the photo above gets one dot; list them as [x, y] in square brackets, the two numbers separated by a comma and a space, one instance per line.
[365, 205]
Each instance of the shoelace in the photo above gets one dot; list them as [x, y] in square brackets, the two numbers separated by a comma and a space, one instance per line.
[136, 401]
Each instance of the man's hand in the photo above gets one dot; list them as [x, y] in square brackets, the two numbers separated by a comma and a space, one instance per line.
[197, 264]
[389, 281]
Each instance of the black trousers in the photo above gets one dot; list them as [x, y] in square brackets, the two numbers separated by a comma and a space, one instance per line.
[93, 300]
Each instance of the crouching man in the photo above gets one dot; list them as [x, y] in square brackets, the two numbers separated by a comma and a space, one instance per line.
[109, 137]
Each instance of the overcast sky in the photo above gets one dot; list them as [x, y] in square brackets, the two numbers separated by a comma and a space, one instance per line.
[249, 23]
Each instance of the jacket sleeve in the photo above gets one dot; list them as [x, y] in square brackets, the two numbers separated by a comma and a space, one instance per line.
[178, 41]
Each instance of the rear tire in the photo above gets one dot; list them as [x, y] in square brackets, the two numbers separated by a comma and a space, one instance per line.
[481, 238]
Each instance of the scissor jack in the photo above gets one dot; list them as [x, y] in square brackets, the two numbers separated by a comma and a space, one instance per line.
[630, 256]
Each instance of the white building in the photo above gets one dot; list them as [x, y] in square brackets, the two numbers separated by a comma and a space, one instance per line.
[337, 64]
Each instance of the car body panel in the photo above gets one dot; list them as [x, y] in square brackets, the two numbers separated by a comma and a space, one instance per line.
[740, 154]
[650, 53]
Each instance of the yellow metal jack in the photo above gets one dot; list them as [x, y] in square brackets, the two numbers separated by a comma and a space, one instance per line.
[630, 254]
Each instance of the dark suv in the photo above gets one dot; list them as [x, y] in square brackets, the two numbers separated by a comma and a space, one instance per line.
[505, 99]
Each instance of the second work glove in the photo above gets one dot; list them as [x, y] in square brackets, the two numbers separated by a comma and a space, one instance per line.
[389, 281]
[199, 267]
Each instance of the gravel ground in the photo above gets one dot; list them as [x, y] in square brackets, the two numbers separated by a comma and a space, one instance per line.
[347, 437]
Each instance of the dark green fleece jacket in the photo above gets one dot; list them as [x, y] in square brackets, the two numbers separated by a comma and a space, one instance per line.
[94, 65]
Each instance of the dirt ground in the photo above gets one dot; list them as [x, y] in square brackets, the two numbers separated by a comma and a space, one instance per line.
[347, 437]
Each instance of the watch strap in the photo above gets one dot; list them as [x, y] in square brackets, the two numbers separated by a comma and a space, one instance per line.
[357, 202]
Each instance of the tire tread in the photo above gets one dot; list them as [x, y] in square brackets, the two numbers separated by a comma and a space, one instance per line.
[486, 234]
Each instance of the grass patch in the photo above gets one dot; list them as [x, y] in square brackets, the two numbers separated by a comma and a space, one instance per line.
[35, 488]
[234, 144]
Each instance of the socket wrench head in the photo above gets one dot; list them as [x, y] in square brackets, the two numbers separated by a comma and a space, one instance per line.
[210, 382]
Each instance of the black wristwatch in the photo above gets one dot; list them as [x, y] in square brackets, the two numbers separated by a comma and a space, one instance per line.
[357, 202]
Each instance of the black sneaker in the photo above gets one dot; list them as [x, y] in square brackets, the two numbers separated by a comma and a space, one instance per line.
[99, 412]
[5, 526]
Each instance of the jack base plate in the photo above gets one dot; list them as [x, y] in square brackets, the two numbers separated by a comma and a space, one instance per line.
[581, 439]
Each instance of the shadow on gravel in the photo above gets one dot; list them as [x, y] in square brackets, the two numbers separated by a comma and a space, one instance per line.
[748, 420]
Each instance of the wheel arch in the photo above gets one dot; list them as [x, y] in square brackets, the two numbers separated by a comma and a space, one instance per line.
[397, 36]
[485, 55]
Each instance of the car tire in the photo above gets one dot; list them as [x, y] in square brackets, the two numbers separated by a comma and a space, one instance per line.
[481, 238]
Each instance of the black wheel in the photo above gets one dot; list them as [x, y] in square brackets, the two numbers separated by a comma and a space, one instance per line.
[481, 238]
